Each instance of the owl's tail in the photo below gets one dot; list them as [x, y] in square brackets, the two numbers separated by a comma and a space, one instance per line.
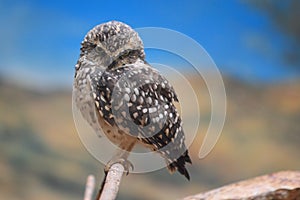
[179, 164]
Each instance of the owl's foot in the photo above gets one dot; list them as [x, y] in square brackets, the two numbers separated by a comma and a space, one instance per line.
[126, 164]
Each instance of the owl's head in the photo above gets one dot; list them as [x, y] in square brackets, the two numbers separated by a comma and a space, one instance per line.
[111, 41]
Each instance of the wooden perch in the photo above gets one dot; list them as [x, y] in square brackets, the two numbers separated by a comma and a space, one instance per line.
[111, 182]
[110, 185]
[283, 185]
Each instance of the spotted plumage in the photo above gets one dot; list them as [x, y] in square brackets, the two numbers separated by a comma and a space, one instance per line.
[118, 92]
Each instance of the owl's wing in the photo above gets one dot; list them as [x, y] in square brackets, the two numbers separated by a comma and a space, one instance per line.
[140, 102]
[160, 126]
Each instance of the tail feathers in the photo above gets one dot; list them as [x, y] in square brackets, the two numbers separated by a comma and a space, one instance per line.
[179, 165]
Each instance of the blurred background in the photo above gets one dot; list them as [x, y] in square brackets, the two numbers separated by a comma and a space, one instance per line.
[255, 44]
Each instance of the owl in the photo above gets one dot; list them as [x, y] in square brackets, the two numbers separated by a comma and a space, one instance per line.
[122, 96]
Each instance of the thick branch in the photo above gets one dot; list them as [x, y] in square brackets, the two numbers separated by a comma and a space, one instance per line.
[283, 185]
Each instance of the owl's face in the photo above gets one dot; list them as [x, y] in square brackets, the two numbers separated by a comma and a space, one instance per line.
[109, 42]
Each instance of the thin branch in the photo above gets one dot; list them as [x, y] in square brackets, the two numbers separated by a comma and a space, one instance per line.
[111, 182]
[89, 187]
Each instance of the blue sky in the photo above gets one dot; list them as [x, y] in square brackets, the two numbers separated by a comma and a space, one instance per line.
[40, 40]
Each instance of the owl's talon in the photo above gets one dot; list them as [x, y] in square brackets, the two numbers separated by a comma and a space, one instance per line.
[124, 162]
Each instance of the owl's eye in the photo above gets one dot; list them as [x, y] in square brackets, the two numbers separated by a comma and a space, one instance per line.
[99, 49]
[124, 54]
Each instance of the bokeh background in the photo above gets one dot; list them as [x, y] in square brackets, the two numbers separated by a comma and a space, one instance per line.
[255, 44]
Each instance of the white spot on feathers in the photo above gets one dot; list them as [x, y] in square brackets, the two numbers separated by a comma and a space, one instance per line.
[136, 91]
[126, 97]
[152, 110]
